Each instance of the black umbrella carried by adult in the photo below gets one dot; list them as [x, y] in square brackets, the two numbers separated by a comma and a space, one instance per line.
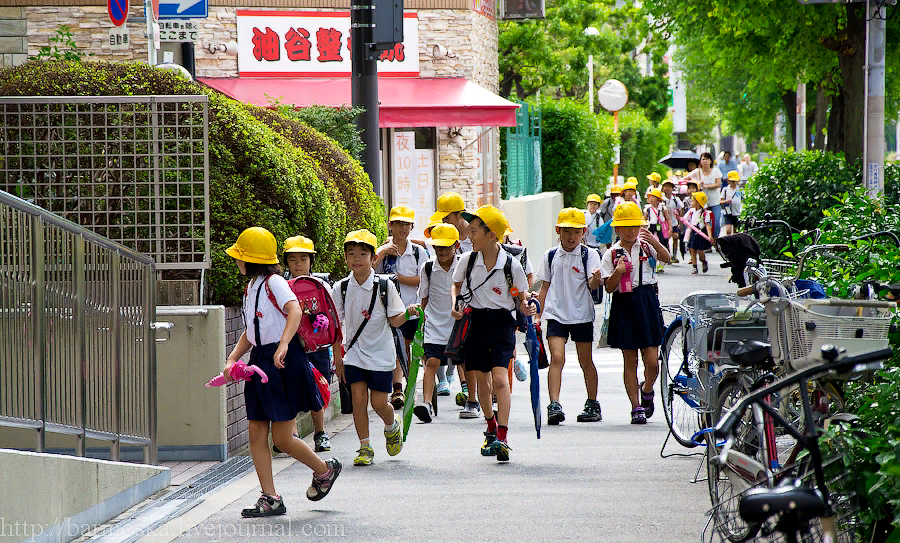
[679, 159]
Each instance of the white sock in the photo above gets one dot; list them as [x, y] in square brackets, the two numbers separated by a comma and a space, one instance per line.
[392, 426]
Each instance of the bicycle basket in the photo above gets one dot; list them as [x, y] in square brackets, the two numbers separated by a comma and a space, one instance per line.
[779, 269]
[802, 327]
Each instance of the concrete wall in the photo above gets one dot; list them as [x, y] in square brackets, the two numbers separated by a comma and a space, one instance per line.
[48, 497]
[191, 417]
[533, 220]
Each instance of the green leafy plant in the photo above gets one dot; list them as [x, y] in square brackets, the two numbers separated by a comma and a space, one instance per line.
[62, 46]
[338, 123]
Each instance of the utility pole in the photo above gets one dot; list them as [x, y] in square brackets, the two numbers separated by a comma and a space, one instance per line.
[873, 150]
[364, 86]
[800, 140]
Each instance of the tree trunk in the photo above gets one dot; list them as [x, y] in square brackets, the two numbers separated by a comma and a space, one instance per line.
[851, 59]
[789, 99]
[836, 125]
[822, 102]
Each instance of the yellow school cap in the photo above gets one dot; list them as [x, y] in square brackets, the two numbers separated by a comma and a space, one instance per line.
[444, 235]
[493, 218]
[594, 198]
[628, 214]
[255, 245]
[657, 193]
[700, 197]
[403, 214]
[299, 244]
[654, 177]
[362, 236]
[570, 218]
[734, 175]
[447, 204]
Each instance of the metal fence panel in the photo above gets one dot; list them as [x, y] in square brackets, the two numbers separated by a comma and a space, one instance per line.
[133, 169]
[77, 339]
[523, 153]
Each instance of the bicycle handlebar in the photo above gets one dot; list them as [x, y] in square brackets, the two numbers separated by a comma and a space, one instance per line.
[879, 234]
[849, 364]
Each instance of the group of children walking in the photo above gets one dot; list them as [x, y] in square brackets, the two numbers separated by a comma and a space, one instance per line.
[468, 281]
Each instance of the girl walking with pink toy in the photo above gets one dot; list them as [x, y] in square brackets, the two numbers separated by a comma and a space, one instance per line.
[276, 351]
[635, 319]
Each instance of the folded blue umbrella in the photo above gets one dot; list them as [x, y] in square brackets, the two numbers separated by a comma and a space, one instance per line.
[603, 233]
[533, 346]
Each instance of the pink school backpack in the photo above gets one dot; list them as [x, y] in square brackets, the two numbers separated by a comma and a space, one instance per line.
[320, 327]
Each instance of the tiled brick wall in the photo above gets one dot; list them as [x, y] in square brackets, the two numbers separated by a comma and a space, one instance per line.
[238, 436]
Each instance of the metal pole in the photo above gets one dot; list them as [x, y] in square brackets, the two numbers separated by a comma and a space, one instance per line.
[38, 301]
[78, 269]
[800, 140]
[874, 135]
[151, 455]
[115, 289]
[591, 82]
[151, 45]
[617, 149]
[364, 86]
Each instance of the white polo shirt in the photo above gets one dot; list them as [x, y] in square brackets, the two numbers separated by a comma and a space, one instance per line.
[657, 217]
[568, 299]
[406, 266]
[494, 294]
[272, 322]
[374, 350]
[672, 205]
[465, 245]
[607, 268]
[438, 321]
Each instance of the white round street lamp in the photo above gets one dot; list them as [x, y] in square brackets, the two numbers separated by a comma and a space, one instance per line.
[591, 32]
[613, 96]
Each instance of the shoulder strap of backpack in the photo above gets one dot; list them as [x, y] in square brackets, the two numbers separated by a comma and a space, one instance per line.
[416, 252]
[383, 292]
[272, 297]
[365, 321]
[550, 256]
[584, 260]
[429, 267]
[470, 265]
[507, 272]
[344, 284]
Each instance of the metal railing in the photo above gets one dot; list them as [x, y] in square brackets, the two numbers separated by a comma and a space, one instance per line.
[134, 169]
[77, 333]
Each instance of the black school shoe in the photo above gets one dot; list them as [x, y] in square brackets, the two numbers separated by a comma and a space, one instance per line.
[555, 414]
[266, 506]
[591, 412]
[646, 400]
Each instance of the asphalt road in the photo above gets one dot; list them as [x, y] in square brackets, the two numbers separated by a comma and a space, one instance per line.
[601, 481]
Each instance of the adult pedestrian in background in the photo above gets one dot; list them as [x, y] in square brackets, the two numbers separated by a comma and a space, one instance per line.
[709, 179]
[747, 167]
[726, 165]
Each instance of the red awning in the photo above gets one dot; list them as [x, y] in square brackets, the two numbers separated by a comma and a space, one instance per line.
[404, 101]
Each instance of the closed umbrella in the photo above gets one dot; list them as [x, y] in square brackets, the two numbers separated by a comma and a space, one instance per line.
[532, 344]
[417, 352]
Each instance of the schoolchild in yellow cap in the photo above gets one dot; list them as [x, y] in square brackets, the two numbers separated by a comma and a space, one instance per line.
[492, 283]
[569, 272]
[731, 200]
[400, 259]
[299, 256]
[368, 306]
[436, 279]
[702, 219]
[657, 216]
[635, 319]
[291, 388]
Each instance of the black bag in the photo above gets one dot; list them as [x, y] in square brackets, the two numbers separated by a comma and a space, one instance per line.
[346, 399]
[454, 349]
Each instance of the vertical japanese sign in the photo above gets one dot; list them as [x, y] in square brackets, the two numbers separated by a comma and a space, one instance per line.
[313, 44]
[484, 171]
[412, 178]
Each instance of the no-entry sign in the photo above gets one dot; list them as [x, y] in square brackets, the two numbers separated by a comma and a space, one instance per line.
[118, 11]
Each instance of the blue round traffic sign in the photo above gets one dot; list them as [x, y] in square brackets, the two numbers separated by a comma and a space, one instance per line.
[118, 11]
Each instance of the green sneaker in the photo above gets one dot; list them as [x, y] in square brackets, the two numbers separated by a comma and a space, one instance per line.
[487, 449]
[501, 450]
[365, 456]
[461, 399]
[394, 438]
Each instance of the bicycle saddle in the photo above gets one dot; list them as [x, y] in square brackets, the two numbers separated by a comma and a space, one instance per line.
[750, 353]
[759, 504]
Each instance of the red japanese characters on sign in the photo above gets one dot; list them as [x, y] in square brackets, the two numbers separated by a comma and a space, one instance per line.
[311, 43]
[413, 178]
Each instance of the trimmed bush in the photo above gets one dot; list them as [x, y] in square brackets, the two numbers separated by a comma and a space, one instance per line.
[257, 176]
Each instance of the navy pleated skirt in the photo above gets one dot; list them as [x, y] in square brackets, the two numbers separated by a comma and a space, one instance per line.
[635, 319]
[698, 242]
[289, 390]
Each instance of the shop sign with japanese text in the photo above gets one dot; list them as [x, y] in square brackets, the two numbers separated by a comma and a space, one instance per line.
[313, 44]
[413, 179]
[178, 30]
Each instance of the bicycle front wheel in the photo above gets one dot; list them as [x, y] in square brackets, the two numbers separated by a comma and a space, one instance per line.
[675, 379]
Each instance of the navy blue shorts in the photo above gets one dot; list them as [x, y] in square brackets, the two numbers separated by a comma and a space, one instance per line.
[581, 332]
[408, 329]
[321, 360]
[435, 350]
[492, 340]
[380, 381]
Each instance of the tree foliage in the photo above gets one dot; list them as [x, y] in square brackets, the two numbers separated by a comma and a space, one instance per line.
[747, 57]
[550, 55]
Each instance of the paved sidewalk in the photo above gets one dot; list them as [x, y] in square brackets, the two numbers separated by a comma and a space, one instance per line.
[600, 481]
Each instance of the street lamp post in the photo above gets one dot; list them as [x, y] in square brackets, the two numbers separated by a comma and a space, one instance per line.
[591, 31]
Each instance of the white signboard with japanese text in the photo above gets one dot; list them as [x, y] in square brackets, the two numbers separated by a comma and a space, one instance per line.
[118, 38]
[313, 44]
[484, 172]
[179, 30]
[412, 179]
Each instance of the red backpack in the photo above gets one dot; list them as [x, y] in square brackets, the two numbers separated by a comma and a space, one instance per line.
[320, 327]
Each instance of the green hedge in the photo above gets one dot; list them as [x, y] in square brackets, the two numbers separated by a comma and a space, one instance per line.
[577, 148]
[797, 187]
[279, 175]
